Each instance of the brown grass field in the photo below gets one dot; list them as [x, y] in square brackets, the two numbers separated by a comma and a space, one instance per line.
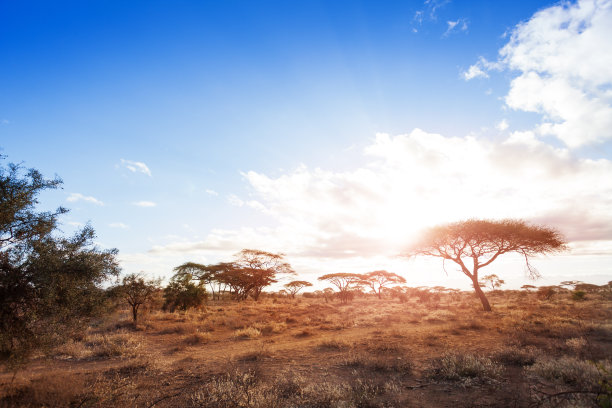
[307, 352]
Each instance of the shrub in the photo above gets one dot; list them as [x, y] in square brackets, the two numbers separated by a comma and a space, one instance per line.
[333, 344]
[465, 368]
[516, 356]
[115, 345]
[579, 295]
[572, 371]
[247, 333]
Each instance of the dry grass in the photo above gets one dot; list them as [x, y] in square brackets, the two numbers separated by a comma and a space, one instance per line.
[370, 353]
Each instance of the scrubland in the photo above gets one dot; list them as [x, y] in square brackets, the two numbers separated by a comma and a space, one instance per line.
[306, 352]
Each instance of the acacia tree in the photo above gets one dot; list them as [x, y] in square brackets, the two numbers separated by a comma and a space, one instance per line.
[377, 280]
[491, 281]
[212, 275]
[294, 287]
[136, 291]
[258, 269]
[345, 282]
[49, 285]
[478, 243]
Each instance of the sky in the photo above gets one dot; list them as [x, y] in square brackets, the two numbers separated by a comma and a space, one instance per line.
[332, 132]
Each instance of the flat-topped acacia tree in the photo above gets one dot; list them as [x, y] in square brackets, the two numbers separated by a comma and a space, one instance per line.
[478, 243]
[345, 282]
[294, 287]
[377, 280]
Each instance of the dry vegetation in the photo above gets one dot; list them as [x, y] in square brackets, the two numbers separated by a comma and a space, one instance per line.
[307, 352]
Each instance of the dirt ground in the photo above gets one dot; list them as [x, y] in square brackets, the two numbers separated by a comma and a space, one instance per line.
[307, 352]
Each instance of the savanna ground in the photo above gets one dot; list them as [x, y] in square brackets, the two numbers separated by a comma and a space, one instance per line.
[307, 352]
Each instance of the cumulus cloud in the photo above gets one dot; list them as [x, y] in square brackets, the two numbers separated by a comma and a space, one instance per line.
[136, 167]
[211, 192]
[144, 204]
[415, 180]
[563, 57]
[502, 125]
[74, 197]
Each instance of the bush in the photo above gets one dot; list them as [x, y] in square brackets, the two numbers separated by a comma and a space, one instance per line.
[516, 356]
[572, 371]
[247, 333]
[465, 368]
[579, 295]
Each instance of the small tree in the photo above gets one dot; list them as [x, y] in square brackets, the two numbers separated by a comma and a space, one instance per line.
[136, 290]
[480, 242]
[528, 288]
[492, 281]
[183, 293]
[49, 285]
[378, 280]
[259, 269]
[345, 282]
[294, 287]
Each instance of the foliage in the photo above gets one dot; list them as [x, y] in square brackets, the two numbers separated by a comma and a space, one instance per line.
[546, 292]
[137, 291]
[49, 285]
[480, 242]
[181, 293]
[259, 269]
[378, 280]
[295, 286]
[248, 275]
[345, 282]
[492, 281]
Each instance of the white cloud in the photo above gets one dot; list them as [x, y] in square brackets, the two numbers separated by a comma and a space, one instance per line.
[413, 181]
[474, 71]
[144, 204]
[563, 56]
[75, 224]
[118, 225]
[136, 167]
[211, 192]
[74, 197]
[458, 25]
[502, 125]
[481, 69]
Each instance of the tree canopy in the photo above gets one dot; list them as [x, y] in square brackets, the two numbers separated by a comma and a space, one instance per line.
[345, 282]
[250, 272]
[48, 284]
[294, 287]
[475, 244]
[378, 280]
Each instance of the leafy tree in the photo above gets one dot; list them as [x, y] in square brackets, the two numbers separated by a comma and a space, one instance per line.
[212, 275]
[378, 280]
[49, 285]
[294, 287]
[492, 281]
[528, 287]
[137, 291]
[257, 269]
[480, 242]
[183, 294]
[345, 282]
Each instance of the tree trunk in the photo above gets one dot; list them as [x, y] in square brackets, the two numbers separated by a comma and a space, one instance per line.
[485, 302]
[135, 313]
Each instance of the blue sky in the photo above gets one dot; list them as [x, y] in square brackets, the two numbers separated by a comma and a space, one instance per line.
[215, 113]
